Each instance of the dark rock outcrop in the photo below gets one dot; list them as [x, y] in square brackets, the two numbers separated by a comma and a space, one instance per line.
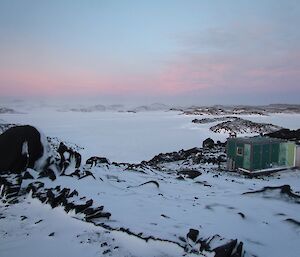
[95, 160]
[175, 156]
[192, 156]
[188, 173]
[20, 148]
[10, 185]
[67, 154]
[69, 200]
[208, 143]
[47, 172]
[284, 190]
[27, 175]
[227, 250]
[210, 120]
[193, 234]
[285, 134]
[197, 244]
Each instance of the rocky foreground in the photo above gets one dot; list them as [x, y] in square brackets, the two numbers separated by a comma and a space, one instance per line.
[180, 199]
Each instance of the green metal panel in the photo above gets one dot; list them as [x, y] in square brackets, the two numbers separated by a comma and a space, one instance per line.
[247, 155]
[265, 157]
[287, 154]
[274, 153]
[239, 159]
[256, 161]
[290, 153]
[231, 148]
[283, 154]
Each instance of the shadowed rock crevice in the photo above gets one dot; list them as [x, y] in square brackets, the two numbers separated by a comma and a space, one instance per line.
[67, 155]
[284, 190]
[146, 183]
[188, 173]
[293, 221]
[197, 244]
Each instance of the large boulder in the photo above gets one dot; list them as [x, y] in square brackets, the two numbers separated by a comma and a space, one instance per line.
[208, 143]
[95, 161]
[20, 148]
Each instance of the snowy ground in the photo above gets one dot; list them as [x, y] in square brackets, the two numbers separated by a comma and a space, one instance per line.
[213, 203]
[27, 227]
[211, 209]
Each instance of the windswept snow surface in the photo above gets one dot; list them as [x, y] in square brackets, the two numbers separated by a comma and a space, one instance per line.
[211, 209]
[33, 229]
[213, 203]
[131, 137]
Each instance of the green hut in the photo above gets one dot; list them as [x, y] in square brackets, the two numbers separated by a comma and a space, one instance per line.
[259, 153]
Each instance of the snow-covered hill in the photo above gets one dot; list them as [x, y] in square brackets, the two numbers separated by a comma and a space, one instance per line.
[237, 125]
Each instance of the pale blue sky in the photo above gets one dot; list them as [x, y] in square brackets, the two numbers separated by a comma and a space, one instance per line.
[185, 50]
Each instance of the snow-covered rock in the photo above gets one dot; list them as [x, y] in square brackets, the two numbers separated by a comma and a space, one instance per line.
[241, 126]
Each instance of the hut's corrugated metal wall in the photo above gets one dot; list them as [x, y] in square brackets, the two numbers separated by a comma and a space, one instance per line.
[247, 157]
[291, 154]
[231, 148]
[275, 153]
[266, 155]
[287, 154]
[257, 155]
[297, 164]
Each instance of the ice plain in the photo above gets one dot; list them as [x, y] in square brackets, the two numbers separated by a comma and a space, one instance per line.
[131, 137]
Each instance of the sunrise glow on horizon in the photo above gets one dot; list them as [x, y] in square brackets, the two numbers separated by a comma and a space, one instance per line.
[196, 49]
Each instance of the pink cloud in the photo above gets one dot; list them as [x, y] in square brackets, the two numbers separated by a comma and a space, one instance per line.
[194, 72]
[83, 82]
[182, 74]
